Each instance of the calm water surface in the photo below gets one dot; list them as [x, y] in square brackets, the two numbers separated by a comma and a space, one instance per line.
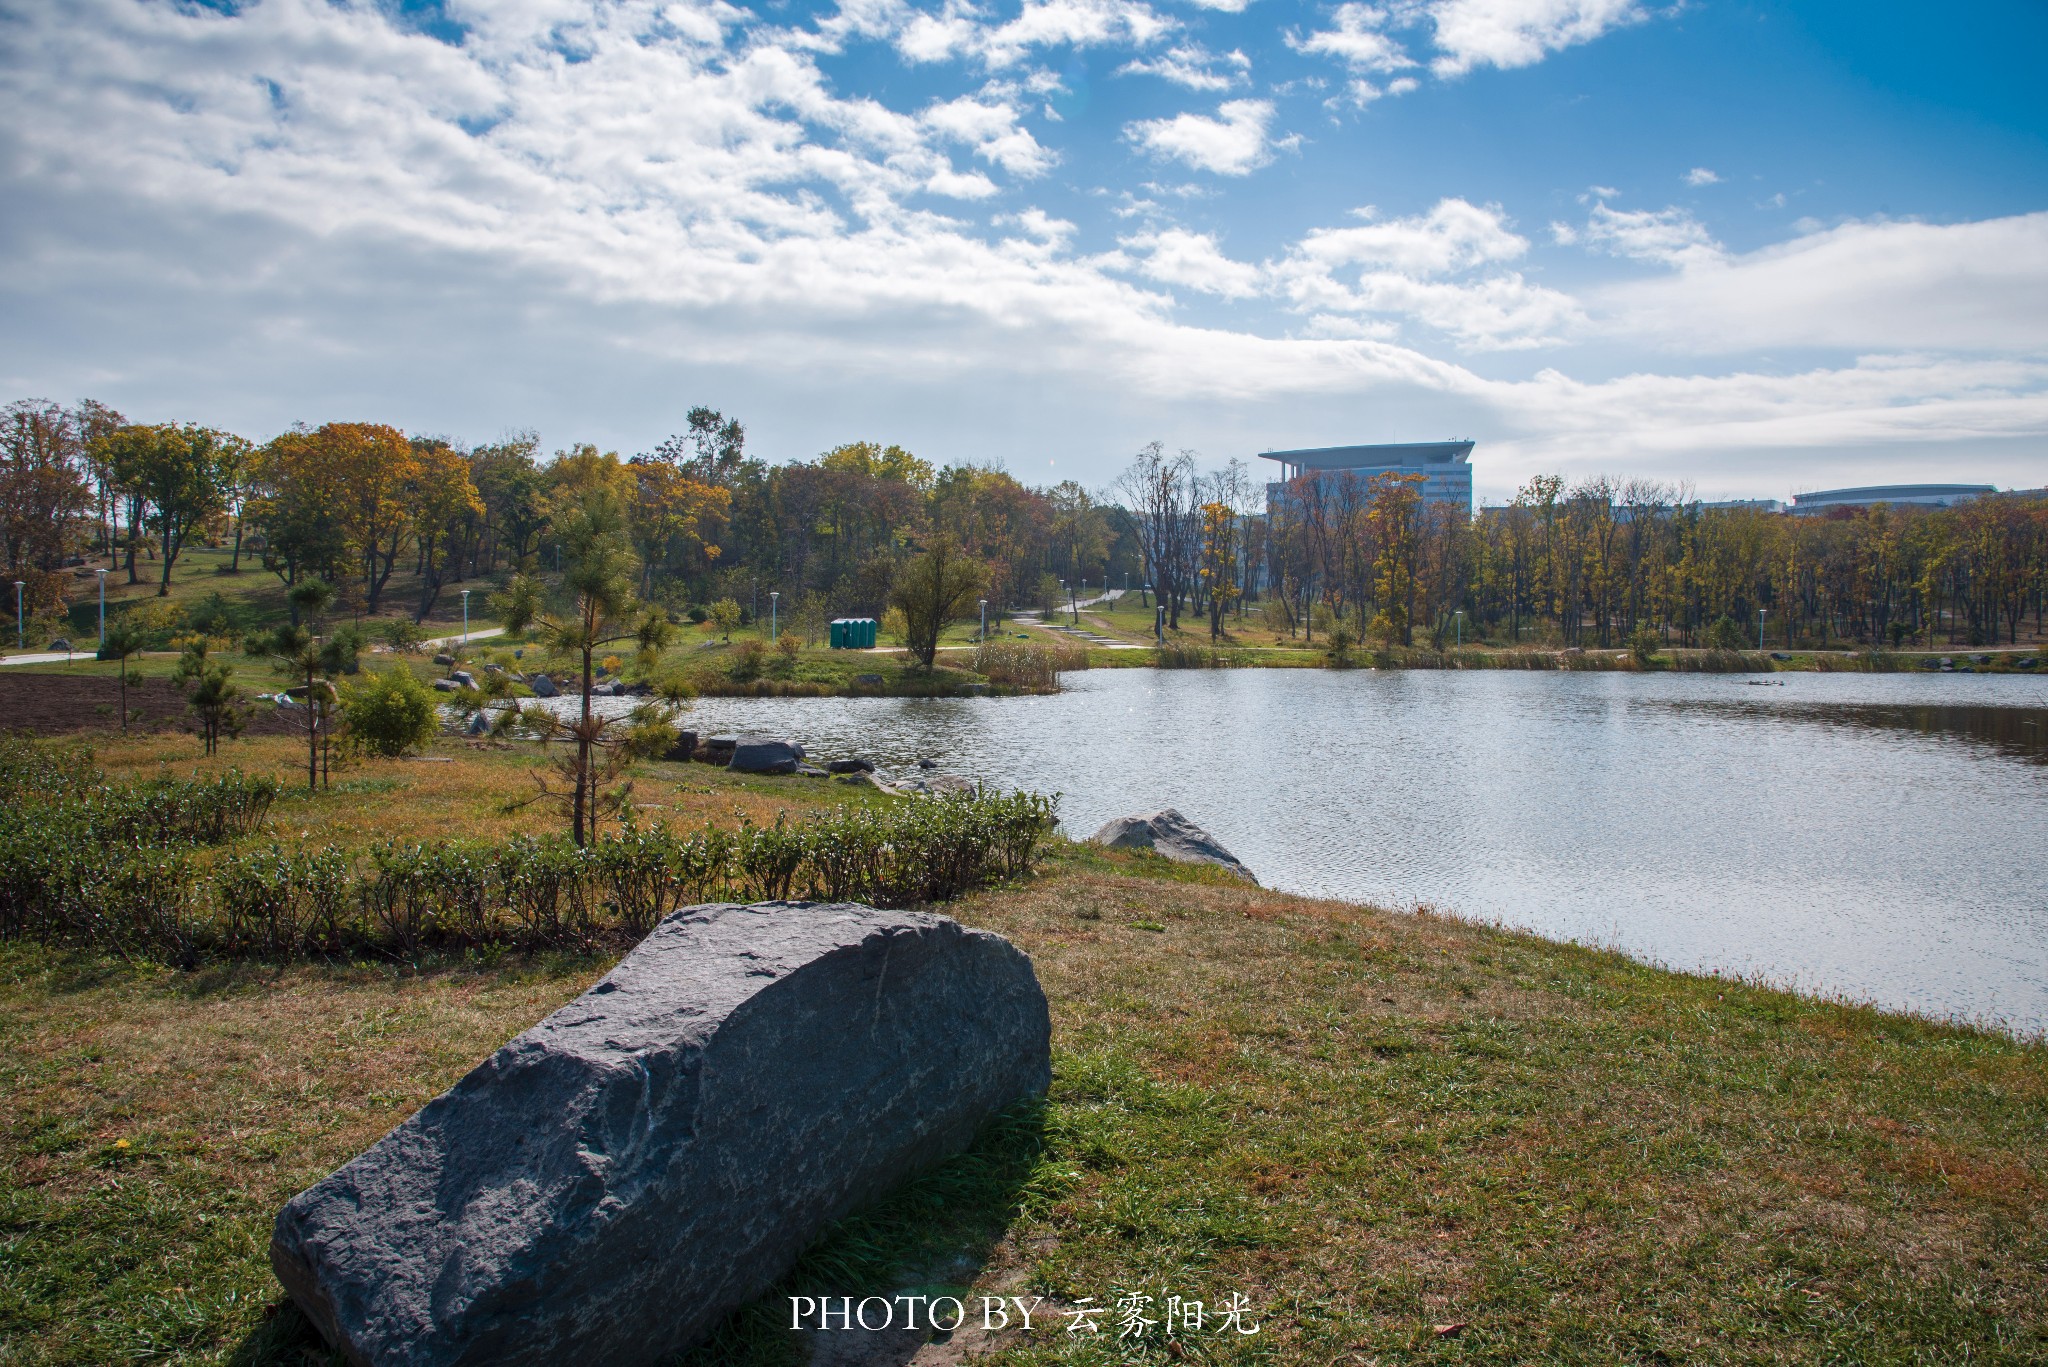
[1875, 836]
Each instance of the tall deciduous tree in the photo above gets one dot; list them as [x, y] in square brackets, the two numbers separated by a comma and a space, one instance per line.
[445, 503]
[177, 473]
[42, 484]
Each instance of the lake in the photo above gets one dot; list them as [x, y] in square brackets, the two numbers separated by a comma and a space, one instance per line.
[1876, 836]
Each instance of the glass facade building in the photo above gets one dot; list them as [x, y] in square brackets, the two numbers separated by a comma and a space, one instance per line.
[1446, 467]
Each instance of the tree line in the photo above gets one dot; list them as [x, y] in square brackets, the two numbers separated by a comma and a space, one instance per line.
[1598, 561]
[363, 506]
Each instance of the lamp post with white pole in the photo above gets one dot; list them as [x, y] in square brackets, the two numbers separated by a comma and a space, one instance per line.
[103, 607]
[774, 614]
[1461, 628]
[1760, 627]
[984, 621]
[465, 619]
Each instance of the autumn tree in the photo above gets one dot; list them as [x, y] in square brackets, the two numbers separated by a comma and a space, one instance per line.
[42, 484]
[445, 504]
[933, 589]
[1394, 516]
[177, 472]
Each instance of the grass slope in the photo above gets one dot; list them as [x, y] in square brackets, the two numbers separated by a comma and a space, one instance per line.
[1368, 1124]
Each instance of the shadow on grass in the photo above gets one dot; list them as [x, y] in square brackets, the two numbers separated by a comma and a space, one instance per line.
[933, 1234]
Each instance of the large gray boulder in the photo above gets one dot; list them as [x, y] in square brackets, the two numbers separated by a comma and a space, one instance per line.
[1173, 835]
[656, 1153]
[765, 755]
[542, 685]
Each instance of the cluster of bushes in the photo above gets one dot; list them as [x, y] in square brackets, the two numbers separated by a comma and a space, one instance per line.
[149, 896]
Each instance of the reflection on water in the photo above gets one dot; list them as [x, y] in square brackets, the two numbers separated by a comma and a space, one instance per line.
[2016, 732]
[1876, 836]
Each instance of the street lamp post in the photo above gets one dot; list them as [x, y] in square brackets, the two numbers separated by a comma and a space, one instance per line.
[20, 627]
[103, 608]
[1760, 627]
[984, 621]
[774, 617]
[1461, 628]
[465, 619]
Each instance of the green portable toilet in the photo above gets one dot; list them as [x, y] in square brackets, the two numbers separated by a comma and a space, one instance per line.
[838, 633]
[867, 632]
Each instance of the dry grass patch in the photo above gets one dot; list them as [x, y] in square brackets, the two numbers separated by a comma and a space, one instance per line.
[1369, 1124]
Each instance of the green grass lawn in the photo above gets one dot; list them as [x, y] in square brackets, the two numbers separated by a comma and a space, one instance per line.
[1369, 1125]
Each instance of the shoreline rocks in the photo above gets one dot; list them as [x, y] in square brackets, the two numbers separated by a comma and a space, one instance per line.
[1170, 834]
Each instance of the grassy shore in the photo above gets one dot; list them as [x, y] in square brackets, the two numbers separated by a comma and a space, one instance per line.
[1370, 1125]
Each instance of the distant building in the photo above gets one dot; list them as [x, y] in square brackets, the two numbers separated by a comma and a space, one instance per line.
[1919, 495]
[1444, 465]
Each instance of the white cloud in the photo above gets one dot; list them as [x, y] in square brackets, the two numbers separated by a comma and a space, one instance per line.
[302, 211]
[1453, 236]
[1232, 144]
[1359, 40]
[1174, 256]
[1512, 33]
[992, 129]
[1669, 237]
[1193, 66]
[1876, 286]
[1700, 175]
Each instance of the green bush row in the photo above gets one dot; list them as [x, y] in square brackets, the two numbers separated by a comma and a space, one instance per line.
[53, 795]
[527, 892]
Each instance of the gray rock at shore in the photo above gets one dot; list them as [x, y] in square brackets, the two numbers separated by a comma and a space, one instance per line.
[444, 658]
[1173, 835]
[542, 685]
[684, 748]
[867, 681]
[850, 766]
[446, 686]
[765, 755]
[464, 677]
[479, 724]
[608, 1185]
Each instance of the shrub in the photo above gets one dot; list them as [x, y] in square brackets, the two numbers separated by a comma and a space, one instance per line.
[1725, 634]
[1643, 644]
[748, 657]
[403, 634]
[391, 713]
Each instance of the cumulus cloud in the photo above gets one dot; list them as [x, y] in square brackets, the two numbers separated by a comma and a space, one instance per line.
[992, 129]
[303, 209]
[1234, 143]
[1359, 40]
[1193, 66]
[1377, 38]
[1700, 175]
[1512, 33]
[1174, 256]
[1438, 270]
[1669, 237]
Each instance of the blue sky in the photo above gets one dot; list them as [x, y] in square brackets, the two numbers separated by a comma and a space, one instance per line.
[1753, 248]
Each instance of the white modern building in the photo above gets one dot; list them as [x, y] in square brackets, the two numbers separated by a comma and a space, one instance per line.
[1918, 495]
[1444, 465]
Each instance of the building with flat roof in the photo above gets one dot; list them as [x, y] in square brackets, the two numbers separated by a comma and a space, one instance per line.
[1920, 495]
[1444, 465]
